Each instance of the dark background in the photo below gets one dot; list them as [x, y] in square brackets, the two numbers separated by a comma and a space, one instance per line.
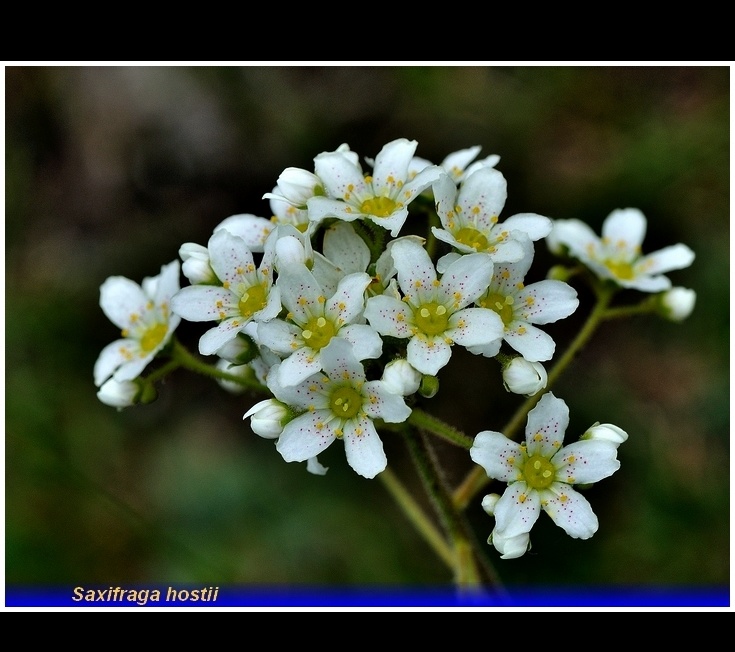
[110, 169]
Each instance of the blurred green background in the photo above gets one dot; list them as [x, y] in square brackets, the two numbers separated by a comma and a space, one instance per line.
[110, 169]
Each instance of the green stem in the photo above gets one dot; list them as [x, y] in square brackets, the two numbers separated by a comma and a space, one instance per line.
[416, 516]
[181, 355]
[437, 427]
[477, 478]
[466, 574]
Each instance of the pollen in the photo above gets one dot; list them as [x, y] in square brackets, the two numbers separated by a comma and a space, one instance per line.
[226, 285]
[124, 332]
[522, 498]
[571, 459]
[475, 210]
[505, 274]
[563, 498]
[240, 270]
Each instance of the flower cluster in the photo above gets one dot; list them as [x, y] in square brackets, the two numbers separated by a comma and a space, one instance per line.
[344, 317]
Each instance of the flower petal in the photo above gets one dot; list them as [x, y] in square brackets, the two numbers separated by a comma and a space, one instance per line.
[339, 361]
[546, 425]
[667, 259]
[120, 299]
[300, 293]
[364, 448]
[391, 166]
[230, 257]
[110, 358]
[384, 404]
[279, 336]
[389, 316]
[252, 229]
[204, 303]
[215, 338]
[340, 176]
[517, 510]
[297, 367]
[586, 461]
[416, 273]
[482, 197]
[465, 280]
[347, 250]
[625, 225]
[366, 343]
[497, 454]
[570, 511]
[546, 301]
[533, 225]
[305, 437]
[428, 356]
[475, 327]
[574, 234]
[532, 343]
[348, 301]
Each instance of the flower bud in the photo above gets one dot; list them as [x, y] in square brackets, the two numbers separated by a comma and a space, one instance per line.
[606, 432]
[429, 386]
[314, 466]
[289, 252]
[296, 186]
[523, 377]
[510, 547]
[119, 394]
[677, 303]
[239, 350]
[489, 502]
[267, 418]
[399, 377]
[195, 265]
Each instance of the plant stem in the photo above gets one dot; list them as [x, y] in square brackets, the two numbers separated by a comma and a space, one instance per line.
[416, 516]
[477, 478]
[181, 355]
[466, 573]
[429, 423]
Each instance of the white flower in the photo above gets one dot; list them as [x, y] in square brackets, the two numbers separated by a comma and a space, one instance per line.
[267, 418]
[677, 303]
[118, 394]
[252, 229]
[399, 377]
[510, 547]
[195, 264]
[143, 313]
[521, 307]
[469, 217]
[295, 186]
[381, 197]
[523, 377]
[617, 255]
[338, 403]
[314, 319]
[433, 315]
[456, 164]
[540, 474]
[606, 432]
[246, 293]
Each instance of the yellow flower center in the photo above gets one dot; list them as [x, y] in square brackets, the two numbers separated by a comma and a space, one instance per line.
[431, 318]
[378, 206]
[253, 300]
[538, 472]
[472, 238]
[153, 336]
[500, 303]
[318, 332]
[620, 269]
[345, 402]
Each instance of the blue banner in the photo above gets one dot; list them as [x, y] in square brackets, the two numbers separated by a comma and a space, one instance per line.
[228, 596]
